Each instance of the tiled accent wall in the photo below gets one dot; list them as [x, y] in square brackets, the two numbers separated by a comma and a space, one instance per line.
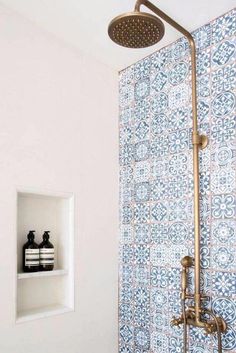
[156, 190]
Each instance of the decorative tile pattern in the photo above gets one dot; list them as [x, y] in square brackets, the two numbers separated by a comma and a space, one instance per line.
[156, 190]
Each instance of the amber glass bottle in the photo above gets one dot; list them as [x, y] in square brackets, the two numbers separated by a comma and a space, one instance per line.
[31, 254]
[46, 253]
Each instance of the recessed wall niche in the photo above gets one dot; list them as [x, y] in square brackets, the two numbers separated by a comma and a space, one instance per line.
[42, 294]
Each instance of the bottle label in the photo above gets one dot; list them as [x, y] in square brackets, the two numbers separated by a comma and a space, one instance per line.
[46, 256]
[31, 257]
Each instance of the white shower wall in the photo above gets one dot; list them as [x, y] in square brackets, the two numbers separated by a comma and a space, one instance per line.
[58, 118]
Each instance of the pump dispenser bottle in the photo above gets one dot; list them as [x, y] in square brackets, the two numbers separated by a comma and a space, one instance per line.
[31, 254]
[46, 253]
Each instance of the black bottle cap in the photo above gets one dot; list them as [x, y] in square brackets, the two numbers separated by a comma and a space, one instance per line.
[31, 235]
[46, 235]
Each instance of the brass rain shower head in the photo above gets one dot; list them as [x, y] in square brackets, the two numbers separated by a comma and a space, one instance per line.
[136, 29]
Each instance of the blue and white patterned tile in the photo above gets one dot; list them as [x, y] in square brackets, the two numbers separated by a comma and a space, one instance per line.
[223, 155]
[126, 214]
[142, 338]
[176, 345]
[179, 96]
[141, 151]
[223, 206]
[180, 119]
[159, 82]
[224, 232]
[159, 299]
[179, 50]
[125, 349]
[141, 254]
[174, 303]
[223, 104]
[196, 347]
[142, 191]
[126, 293]
[203, 62]
[142, 89]
[198, 335]
[142, 171]
[142, 69]
[159, 321]
[126, 313]
[126, 193]
[226, 308]
[159, 342]
[126, 333]
[159, 233]
[158, 189]
[142, 233]
[223, 53]
[141, 213]
[204, 181]
[159, 212]
[180, 210]
[126, 254]
[126, 115]
[141, 109]
[204, 86]
[159, 103]
[224, 79]
[142, 275]
[223, 181]
[159, 256]
[159, 124]
[178, 164]
[126, 274]
[126, 234]
[141, 316]
[159, 277]
[223, 258]
[178, 141]
[126, 135]
[126, 77]
[202, 37]
[176, 253]
[223, 27]
[178, 233]
[126, 154]
[224, 284]
[141, 130]
[178, 187]
[174, 278]
[126, 95]
[159, 167]
[159, 146]
[223, 129]
[178, 73]
[141, 296]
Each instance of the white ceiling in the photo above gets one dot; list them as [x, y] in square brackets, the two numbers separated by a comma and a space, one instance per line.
[83, 24]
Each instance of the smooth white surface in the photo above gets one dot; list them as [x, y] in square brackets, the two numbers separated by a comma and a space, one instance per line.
[42, 274]
[59, 128]
[84, 23]
[35, 314]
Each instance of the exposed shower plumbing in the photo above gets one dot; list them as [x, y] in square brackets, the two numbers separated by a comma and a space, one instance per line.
[139, 30]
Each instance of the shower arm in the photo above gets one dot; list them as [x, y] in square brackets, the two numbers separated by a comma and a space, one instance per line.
[193, 314]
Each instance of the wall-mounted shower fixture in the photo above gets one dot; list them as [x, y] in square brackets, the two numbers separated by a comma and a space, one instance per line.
[138, 30]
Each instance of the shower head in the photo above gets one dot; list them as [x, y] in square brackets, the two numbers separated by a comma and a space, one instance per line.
[136, 29]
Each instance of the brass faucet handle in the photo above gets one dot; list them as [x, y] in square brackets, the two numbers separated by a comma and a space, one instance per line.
[176, 321]
[187, 261]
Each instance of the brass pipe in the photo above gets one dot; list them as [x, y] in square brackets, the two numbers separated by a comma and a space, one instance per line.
[196, 144]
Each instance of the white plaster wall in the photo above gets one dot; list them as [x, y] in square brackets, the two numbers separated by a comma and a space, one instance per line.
[58, 131]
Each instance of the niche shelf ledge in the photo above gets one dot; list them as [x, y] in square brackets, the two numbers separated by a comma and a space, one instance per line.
[40, 313]
[42, 274]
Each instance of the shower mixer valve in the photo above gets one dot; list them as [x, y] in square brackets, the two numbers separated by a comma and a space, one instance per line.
[188, 316]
